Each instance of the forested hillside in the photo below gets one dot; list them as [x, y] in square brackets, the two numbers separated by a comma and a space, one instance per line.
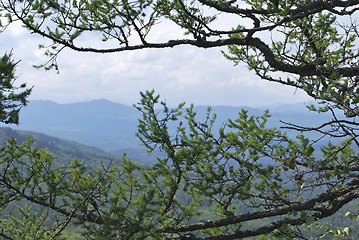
[65, 150]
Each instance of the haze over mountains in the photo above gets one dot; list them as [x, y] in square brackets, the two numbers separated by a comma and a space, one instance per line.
[64, 150]
[99, 123]
[112, 126]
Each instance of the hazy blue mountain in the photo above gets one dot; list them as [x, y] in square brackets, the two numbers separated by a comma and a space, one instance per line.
[112, 126]
[292, 113]
[65, 150]
[99, 123]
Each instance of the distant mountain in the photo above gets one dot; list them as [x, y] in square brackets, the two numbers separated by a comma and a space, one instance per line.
[296, 113]
[99, 123]
[65, 150]
[112, 126]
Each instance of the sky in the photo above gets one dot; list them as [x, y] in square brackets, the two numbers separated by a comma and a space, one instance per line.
[185, 73]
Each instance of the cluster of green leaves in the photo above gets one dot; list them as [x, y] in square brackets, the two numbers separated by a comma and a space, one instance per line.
[29, 175]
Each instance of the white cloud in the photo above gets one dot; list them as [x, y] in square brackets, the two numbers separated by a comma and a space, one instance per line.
[178, 74]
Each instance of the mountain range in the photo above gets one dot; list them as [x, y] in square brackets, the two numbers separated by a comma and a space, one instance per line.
[112, 126]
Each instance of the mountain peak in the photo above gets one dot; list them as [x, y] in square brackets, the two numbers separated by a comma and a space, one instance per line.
[101, 100]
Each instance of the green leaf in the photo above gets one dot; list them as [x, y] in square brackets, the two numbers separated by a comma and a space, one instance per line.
[310, 220]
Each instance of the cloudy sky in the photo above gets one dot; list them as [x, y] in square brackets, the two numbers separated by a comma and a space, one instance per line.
[202, 77]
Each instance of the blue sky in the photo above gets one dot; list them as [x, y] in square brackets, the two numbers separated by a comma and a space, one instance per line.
[202, 77]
